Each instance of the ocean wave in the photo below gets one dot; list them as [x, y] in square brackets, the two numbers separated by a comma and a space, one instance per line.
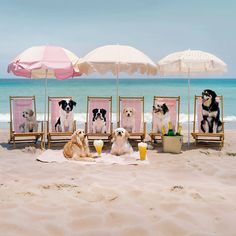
[81, 117]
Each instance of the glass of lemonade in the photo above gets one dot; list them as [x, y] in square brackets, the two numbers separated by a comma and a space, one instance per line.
[98, 144]
[142, 147]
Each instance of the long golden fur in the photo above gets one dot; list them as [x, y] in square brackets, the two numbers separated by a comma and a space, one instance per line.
[77, 148]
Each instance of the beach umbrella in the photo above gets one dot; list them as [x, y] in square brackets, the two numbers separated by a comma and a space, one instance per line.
[116, 59]
[191, 63]
[45, 62]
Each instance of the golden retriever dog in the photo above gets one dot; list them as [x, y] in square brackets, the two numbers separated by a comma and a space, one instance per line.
[120, 144]
[77, 148]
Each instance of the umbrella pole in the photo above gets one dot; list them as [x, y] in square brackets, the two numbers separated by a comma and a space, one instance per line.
[188, 108]
[45, 108]
[117, 93]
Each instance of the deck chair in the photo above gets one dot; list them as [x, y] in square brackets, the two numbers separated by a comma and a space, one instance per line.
[104, 129]
[198, 134]
[131, 116]
[54, 136]
[19, 130]
[173, 104]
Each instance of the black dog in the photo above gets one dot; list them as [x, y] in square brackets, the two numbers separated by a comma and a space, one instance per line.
[210, 112]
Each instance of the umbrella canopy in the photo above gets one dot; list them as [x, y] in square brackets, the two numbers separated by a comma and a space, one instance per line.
[45, 62]
[191, 62]
[116, 59]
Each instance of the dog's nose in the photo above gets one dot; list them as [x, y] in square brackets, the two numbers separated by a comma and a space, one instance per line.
[128, 114]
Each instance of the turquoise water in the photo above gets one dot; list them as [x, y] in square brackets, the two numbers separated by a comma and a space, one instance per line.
[79, 89]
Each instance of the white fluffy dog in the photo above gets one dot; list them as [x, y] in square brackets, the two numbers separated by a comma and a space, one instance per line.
[30, 124]
[128, 119]
[78, 148]
[120, 144]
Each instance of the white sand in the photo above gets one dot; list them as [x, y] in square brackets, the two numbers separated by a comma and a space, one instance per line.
[192, 194]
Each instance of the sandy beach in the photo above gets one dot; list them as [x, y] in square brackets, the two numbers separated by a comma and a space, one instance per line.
[192, 193]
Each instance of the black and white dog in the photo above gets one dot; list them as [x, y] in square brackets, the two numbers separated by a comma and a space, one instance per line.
[99, 121]
[65, 121]
[161, 117]
[210, 113]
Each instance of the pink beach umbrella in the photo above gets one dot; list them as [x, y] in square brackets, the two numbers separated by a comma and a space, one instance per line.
[45, 62]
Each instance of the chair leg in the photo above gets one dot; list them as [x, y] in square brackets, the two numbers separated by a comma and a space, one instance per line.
[14, 142]
[49, 141]
[42, 143]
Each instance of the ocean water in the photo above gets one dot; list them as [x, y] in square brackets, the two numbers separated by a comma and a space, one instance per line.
[79, 89]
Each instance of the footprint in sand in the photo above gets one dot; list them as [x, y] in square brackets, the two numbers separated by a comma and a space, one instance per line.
[177, 188]
[196, 196]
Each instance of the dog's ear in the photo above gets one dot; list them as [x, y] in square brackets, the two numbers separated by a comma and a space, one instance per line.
[124, 110]
[86, 141]
[95, 110]
[133, 109]
[73, 102]
[113, 136]
[74, 137]
[31, 112]
[61, 102]
[103, 111]
[213, 93]
[127, 134]
[165, 108]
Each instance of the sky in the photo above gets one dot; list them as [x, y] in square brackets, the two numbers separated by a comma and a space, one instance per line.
[156, 27]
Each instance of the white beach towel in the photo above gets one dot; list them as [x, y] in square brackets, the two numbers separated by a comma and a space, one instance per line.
[106, 158]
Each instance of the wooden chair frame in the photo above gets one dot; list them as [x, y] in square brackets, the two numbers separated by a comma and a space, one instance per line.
[63, 136]
[133, 136]
[208, 137]
[92, 136]
[24, 137]
[158, 136]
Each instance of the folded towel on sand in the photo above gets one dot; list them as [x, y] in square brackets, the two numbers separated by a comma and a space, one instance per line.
[106, 158]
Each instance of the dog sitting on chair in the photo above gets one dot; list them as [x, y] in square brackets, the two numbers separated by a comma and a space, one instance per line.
[30, 124]
[99, 121]
[120, 144]
[78, 148]
[129, 119]
[210, 112]
[65, 122]
[161, 117]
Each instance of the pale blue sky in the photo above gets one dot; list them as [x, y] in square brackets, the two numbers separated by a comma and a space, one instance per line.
[155, 27]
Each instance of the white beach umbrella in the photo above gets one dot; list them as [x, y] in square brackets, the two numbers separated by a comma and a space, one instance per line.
[189, 63]
[116, 59]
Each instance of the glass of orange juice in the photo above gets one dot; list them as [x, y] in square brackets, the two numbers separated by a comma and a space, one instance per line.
[142, 147]
[98, 144]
